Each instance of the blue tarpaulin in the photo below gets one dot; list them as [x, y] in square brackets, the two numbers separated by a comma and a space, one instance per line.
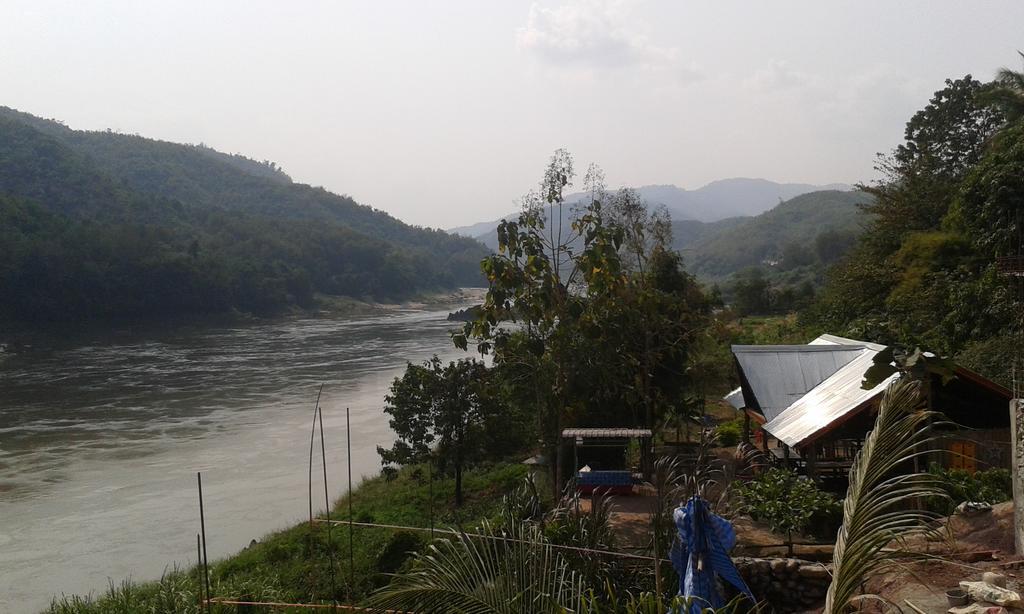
[701, 553]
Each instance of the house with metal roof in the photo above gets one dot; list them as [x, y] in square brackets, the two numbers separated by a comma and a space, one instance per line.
[809, 399]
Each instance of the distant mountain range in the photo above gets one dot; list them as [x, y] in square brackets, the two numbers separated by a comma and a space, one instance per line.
[792, 240]
[715, 201]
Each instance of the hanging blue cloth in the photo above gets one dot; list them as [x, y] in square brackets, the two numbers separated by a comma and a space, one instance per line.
[701, 552]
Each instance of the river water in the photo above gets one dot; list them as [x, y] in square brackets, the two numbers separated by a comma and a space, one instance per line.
[100, 441]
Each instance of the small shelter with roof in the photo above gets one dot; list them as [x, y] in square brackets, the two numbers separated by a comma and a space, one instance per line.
[810, 400]
[601, 458]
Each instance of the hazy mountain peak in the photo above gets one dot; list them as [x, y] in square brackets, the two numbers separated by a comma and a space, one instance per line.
[714, 201]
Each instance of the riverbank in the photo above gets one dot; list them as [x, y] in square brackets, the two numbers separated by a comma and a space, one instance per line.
[20, 337]
[294, 565]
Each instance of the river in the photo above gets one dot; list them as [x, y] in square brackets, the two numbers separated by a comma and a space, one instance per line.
[101, 439]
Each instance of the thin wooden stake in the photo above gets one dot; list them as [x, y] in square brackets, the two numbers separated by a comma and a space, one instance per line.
[202, 528]
[351, 550]
[327, 503]
[312, 435]
[199, 570]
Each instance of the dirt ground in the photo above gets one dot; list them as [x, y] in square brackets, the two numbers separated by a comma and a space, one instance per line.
[987, 536]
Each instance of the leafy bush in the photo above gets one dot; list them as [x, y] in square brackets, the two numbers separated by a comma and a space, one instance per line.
[788, 503]
[990, 486]
[729, 433]
[397, 551]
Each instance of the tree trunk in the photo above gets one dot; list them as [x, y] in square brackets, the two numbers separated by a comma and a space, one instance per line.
[458, 483]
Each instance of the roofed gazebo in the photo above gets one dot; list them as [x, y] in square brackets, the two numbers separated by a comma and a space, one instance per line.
[599, 458]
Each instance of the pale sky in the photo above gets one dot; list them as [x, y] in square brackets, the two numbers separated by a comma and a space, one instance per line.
[444, 113]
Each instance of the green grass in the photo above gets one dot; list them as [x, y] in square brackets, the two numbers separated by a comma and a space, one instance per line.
[294, 565]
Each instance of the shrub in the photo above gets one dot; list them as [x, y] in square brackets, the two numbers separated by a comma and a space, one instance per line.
[730, 432]
[990, 486]
[788, 503]
[398, 550]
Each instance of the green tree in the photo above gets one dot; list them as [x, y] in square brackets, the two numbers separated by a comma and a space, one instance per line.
[750, 291]
[942, 142]
[914, 276]
[604, 310]
[1007, 95]
[831, 245]
[785, 501]
[450, 408]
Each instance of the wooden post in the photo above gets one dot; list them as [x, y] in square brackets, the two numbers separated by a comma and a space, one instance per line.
[1017, 470]
[811, 456]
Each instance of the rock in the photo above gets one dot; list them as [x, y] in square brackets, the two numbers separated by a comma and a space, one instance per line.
[816, 572]
[980, 591]
[995, 579]
[778, 566]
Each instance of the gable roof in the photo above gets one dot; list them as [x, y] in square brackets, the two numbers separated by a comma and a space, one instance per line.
[776, 376]
[830, 402]
[840, 397]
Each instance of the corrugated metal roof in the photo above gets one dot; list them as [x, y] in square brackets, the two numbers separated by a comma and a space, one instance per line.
[735, 398]
[831, 400]
[599, 433]
[827, 339]
[779, 375]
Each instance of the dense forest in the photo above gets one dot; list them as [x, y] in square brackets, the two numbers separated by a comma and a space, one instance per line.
[776, 261]
[949, 206]
[100, 225]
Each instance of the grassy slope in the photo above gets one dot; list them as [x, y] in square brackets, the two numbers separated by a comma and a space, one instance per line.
[293, 565]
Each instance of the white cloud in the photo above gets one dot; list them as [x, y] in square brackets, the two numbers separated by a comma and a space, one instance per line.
[597, 34]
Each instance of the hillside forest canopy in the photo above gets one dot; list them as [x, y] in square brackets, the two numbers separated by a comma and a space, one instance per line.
[105, 226]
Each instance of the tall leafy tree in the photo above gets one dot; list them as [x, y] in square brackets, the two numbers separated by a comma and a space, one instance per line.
[1007, 95]
[942, 142]
[448, 411]
[603, 310]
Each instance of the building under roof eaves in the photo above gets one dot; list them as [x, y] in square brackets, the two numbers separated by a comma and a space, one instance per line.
[812, 401]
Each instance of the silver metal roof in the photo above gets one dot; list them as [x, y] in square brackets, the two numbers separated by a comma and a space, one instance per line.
[735, 398]
[779, 375]
[830, 401]
[605, 433]
[827, 339]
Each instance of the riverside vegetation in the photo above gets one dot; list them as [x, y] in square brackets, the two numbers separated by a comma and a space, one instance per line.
[610, 329]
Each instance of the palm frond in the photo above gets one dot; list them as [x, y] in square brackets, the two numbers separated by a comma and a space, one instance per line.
[489, 571]
[880, 505]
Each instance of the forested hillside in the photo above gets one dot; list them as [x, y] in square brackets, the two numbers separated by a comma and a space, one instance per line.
[951, 204]
[814, 227]
[97, 225]
[774, 262]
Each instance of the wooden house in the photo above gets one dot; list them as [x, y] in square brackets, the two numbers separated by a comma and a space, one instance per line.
[809, 400]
